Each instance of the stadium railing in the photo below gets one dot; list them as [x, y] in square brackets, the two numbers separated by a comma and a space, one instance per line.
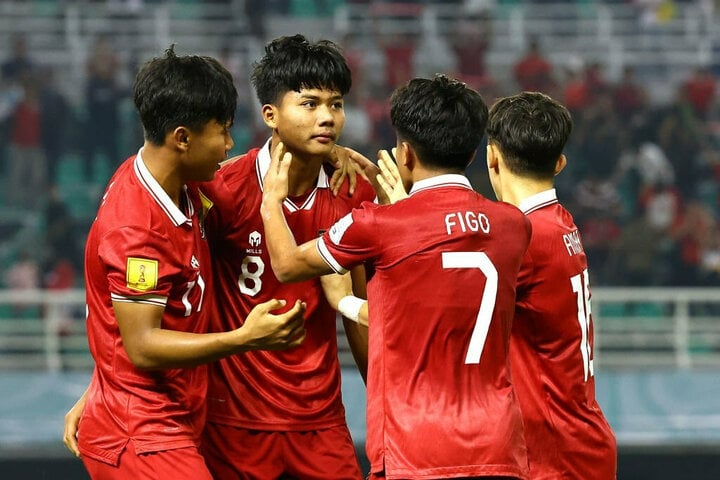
[634, 328]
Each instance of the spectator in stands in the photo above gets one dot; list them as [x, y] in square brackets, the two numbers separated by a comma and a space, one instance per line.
[644, 156]
[533, 72]
[55, 120]
[398, 45]
[19, 64]
[637, 259]
[661, 203]
[700, 89]
[102, 105]
[681, 138]
[470, 38]
[696, 235]
[24, 274]
[629, 96]
[61, 239]
[17, 67]
[576, 94]
[27, 163]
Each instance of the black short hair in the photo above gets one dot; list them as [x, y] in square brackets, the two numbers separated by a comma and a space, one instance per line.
[443, 119]
[292, 63]
[191, 90]
[531, 130]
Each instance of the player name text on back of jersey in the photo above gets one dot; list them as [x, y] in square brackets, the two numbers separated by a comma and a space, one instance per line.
[572, 243]
[466, 221]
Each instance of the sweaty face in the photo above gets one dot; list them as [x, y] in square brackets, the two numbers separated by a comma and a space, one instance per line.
[207, 148]
[309, 122]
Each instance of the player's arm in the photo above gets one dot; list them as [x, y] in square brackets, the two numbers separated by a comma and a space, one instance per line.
[357, 330]
[72, 420]
[354, 312]
[290, 262]
[150, 346]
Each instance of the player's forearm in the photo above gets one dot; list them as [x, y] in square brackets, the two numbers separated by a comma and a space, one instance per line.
[357, 336]
[289, 262]
[280, 242]
[162, 348]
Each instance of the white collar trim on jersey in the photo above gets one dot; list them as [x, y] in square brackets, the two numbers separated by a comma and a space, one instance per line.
[263, 163]
[539, 200]
[161, 197]
[448, 179]
[262, 166]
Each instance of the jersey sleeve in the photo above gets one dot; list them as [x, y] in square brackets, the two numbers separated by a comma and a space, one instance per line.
[352, 240]
[138, 265]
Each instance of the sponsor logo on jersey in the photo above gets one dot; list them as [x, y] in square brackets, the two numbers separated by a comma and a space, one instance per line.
[141, 274]
[194, 262]
[254, 239]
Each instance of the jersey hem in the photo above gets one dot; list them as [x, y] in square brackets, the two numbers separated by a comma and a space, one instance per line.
[455, 472]
[278, 427]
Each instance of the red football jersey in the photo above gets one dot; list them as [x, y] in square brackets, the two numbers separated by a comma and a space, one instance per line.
[298, 389]
[442, 294]
[566, 433]
[143, 248]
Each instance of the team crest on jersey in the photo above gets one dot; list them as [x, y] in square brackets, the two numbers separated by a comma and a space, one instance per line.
[141, 274]
[206, 204]
[194, 262]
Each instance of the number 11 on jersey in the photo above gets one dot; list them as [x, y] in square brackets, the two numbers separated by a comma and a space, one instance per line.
[581, 288]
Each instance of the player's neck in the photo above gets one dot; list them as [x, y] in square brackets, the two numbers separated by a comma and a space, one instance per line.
[515, 189]
[161, 165]
[422, 173]
[303, 174]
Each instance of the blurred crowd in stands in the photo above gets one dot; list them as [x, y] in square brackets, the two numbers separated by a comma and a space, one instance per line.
[643, 180]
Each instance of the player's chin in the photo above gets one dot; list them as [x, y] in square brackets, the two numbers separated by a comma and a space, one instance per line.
[321, 148]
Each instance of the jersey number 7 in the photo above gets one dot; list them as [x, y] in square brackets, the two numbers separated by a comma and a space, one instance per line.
[487, 304]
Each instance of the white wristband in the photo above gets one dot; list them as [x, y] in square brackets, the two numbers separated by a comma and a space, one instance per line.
[350, 306]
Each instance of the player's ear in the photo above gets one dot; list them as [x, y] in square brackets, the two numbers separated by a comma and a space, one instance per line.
[181, 138]
[560, 164]
[409, 158]
[491, 156]
[269, 115]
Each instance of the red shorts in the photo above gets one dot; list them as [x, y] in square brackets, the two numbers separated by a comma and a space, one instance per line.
[178, 464]
[238, 453]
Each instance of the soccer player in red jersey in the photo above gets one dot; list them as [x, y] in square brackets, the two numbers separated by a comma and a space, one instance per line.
[551, 347]
[148, 281]
[277, 414]
[443, 266]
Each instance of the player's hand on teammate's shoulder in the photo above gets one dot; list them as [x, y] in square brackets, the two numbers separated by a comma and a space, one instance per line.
[275, 183]
[384, 177]
[344, 168]
[388, 179]
[264, 330]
